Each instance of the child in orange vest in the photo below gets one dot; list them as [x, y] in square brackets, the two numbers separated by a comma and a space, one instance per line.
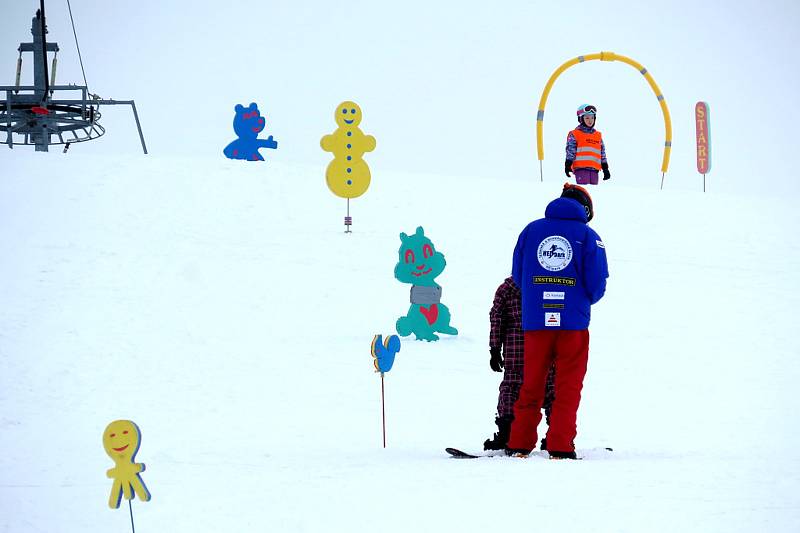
[586, 152]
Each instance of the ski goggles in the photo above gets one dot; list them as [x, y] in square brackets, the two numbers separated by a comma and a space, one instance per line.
[587, 110]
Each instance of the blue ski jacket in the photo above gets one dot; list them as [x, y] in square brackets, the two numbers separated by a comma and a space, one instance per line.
[560, 266]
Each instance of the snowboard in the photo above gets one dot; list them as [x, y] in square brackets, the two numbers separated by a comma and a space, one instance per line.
[458, 454]
[455, 453]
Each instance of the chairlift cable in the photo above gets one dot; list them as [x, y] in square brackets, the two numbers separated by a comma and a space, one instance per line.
[80, 58]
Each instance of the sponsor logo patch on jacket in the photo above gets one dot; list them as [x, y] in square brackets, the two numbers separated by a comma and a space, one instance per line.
[554, 253]
[550, 295]
[552, 319]
[554, 280]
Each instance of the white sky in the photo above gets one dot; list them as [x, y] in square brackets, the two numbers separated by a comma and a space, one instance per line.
[446, 87]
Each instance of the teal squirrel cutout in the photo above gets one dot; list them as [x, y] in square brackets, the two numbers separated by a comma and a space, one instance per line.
[418, 264]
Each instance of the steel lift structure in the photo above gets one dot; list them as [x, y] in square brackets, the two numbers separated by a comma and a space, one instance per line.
[34, 115]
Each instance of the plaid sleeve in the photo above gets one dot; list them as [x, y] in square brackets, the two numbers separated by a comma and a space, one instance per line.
[514, 315]
[496, 325]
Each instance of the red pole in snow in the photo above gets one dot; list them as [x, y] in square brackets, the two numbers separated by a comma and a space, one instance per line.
[383, 411]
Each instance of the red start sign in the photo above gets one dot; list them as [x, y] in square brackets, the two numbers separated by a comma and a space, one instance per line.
[701, 121]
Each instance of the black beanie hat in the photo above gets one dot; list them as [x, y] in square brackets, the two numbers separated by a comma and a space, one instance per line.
[576, 192]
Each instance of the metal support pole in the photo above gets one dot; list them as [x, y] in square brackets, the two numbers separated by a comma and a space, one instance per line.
[43, 138]
[348, 220]
[138, 126]
[130, 508]
[541, 176]
[19, 71]
[53, 73]
[44, 53]
[8, 119]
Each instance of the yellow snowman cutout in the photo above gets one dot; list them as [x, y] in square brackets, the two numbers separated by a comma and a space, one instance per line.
[121, 441]
[348, 174]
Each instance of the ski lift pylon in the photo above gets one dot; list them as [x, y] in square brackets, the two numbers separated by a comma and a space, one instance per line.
[32, 115]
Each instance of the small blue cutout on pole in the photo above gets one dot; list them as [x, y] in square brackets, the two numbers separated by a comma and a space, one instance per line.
[384, 353]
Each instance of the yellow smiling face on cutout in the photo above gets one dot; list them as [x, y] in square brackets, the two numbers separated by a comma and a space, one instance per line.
[121, 440]
[348, 114]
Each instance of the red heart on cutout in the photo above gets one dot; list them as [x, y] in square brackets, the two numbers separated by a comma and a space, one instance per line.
[430, 313]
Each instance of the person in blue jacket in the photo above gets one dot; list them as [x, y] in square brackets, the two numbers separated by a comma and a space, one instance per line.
[561, 269]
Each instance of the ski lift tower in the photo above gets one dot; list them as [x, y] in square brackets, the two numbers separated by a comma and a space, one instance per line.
[32, 115]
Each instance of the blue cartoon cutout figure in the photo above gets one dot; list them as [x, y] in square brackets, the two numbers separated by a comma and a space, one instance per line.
[383, 353]
[247, 124]
[419, 263]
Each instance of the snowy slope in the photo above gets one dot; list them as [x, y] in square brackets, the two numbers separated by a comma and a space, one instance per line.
[220, 306]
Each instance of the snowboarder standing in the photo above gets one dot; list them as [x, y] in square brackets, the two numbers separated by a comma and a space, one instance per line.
[586, 152]
[506, 354]
[560, 266]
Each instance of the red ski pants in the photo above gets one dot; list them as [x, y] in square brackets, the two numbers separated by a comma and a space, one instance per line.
[569, 349]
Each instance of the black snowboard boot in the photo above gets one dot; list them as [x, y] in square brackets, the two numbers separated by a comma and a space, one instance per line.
[500, 439]
[517, 452]
[562, 455]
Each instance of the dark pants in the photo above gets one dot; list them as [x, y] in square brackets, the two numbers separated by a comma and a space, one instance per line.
[569, 350]
[509, 390]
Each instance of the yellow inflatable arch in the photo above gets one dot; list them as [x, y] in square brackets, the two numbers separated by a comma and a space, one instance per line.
[605, 56]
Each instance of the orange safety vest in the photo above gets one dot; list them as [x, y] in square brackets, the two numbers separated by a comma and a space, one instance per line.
[587, 153]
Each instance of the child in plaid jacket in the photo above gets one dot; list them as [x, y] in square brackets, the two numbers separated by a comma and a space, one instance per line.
[505, 332]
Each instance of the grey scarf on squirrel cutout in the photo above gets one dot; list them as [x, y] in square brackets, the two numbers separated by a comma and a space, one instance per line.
[425, 295]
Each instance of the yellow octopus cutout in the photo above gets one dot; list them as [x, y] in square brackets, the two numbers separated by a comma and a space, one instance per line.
[121, 441]
[348, 175]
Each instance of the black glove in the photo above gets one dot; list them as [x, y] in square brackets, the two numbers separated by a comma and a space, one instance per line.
[496, 360]
[606, 172]
[567, 167]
